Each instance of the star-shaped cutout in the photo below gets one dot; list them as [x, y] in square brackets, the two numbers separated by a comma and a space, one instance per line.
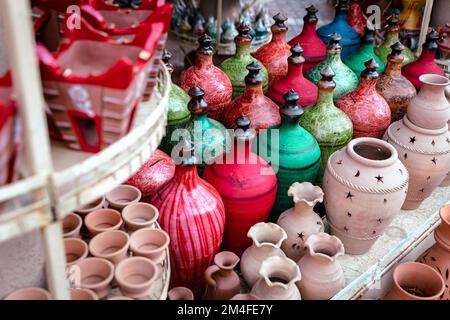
[434, 160]
[349, 195]
[448, 140]
[357, 174]
[429, 178]
[406, 156]
[379, 178]
[345, 228]
[433, 143]
[349, 214]
[401, 171]
[301, 235]
[422, 190]
[339, 162]
[412, 139]
[385, 200]
[379, 220]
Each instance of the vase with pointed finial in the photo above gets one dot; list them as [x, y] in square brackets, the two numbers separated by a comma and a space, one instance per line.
[355, 17]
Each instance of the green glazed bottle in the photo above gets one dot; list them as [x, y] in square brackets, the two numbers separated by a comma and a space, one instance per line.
[331, 127]
[346, 80]
[236, 66]
[293, 152]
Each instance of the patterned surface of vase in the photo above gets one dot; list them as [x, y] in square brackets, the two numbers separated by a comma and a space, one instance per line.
[355, 17]
[222, 282]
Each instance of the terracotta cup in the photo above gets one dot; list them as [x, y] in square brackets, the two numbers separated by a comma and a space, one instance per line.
[139, 215]
[150, 243]
[94, 205]
[82, 294]
[72, 225]
[123, 196]
[180, 293]
[102, 220]
[136, 276]
[29, 294]
[110, 245]
[96, 274]
[76, 250]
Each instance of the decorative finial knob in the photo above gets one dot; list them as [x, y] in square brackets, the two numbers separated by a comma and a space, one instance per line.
[432, 39]
[370, 72]
[311, 14]
[327, 74]
[197, 105]
[333, 41]
[291, 109]
[296, 55]
[186, 151]
[166, 59]
[205, 44]
[369, 35]
[279, 24]
[243, 123]
[254, 76]
[397, 48]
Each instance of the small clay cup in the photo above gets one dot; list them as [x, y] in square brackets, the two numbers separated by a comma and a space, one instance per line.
[76, 250]
[150, 243]
[180, 293]
[72, 225]
[100, 203]
[82, 294]
[123, 196]
[30, 294]
[135, 277]
[96, 274]
[110, 245]
[139, 215]
[102, 220]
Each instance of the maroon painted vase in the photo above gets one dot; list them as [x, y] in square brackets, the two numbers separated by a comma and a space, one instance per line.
[369, 112]
[214, 81]
[294, 80]
[355, 16]
[248, 187]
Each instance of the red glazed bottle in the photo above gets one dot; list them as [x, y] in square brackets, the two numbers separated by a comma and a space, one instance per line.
[369, 112]
[262, 112]
[294, 80]
[192, 213]
[355, 17]
[425, 64]
[315, 50]
[248, 187]
[214, 81]
[274, 54]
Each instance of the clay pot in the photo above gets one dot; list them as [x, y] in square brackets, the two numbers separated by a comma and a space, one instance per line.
[102, 220]
[365, 186]
[415, 281]
[82, 294]
[136, 276]
[29, 294]
[245, 297]
[96, 274]
[94, 205]
[301, 221]
[278, 277]
[222, 282]
[322, 275]
[139, 215]
[123, 196]
[150, 243]
[267, 239]
[180, 293]
[110, 245]
[76, 250]
[71, 225]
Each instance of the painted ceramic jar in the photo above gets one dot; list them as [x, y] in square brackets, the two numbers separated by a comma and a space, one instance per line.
[369, 112]
[331, 127]
[365, 186]
[346, 80]
[355, 17]
[315, 50]
[247, 185]
[236, 66]
[222, 282]
[300, 222]
[214, 81]
[393, 86]
[294, 80]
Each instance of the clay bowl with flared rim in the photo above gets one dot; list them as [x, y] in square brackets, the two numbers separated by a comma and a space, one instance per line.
[123, 196]
[82, 294]
[96, 274]
[135, 277]
[94, 205]
[72, 225]
[76, 250]
[120, 298]
[102, 220]
[180, 293]
[150, 243]
[245, 296]
[139, 215]
[30, 294]
[110, 245]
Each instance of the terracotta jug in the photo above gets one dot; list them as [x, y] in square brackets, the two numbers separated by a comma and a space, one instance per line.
[192, 213]
[301, 221]
[274, 54]
[262, 112]
[315, 50]
[247, 185]
[277, 280]
[438, 256]
[267, 239]
[355, 17]
[236, 66]
[222, 282]
[365, 186]
[214, 81]
[346, 80]
[322, 274]
[393, 86]
[294, 80]
[369, 112]
[331, 127]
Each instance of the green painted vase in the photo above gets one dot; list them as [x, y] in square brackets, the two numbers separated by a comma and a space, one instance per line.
[346, 80]
[331, 127]
[293, 152]
[236, 66]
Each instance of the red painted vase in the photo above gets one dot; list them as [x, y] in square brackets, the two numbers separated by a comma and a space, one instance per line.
[274, 55]
[262, 112]
[315, 50]
[294, 80]
[214, 81]
[425, 64]
[355, 16]
[248, 187]
[192, 213]
[369, 112]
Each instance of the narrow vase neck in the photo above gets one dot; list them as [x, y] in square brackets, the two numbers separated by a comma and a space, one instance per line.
[253, 91]
[324, 100]
[309, 28]
[391, 37]
[279, 38]
[427, 56]
[393, 67]
[295, 72]
[204, 60]
[367, 86]
[187, 175]
[304, 209]
[437, 91]
[242, 50]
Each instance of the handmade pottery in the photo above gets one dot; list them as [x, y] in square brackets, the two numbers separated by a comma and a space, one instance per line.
[139, 215]
[267, 239]
[102, 220]
[222, 282]
[411, 15]
[94, 205]
[355, 17]
[322, 275]
[180, 293]
[123, 196]
[300, 222]
[150, 243]
[245, 296]
[369, 112]
[110, 245]
[71, 225]
[96, 274]
[29, 294]
[415, 281]
[82, 294]
[365, 186]
[75, 250]
[135, 277]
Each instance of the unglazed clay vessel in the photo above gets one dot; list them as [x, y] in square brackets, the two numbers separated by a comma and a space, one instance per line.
[355, 17]
[222, 282]
[123, 196]
[102, 220]
[82, 294]
[322, 275]
[139, 215]
[150, 243]
[72, 225]
[96, 274]
[301, 221]
[135, 277]
[365, 186]
[110, 245]
[29, 294]
[180, 293]
[75, 250]
[277, 281]
[267, 239]
[245, 297]
[94, 205]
